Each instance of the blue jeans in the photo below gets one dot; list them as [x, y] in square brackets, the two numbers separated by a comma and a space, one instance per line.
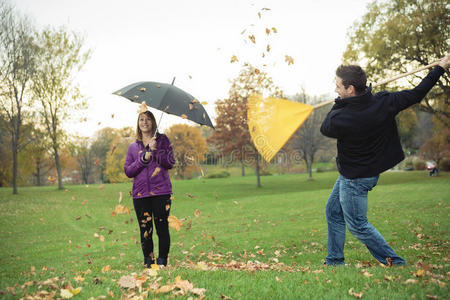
[347, 206]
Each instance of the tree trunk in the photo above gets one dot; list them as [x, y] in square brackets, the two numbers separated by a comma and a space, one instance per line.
[309, 166]
[58, 168]
[258, 178]
[38, 172]
[242, 168]
[15, 164]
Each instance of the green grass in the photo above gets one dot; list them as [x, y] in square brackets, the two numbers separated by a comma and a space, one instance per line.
[41, 238]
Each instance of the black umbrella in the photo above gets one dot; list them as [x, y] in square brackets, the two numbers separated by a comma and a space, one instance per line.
[167, 98]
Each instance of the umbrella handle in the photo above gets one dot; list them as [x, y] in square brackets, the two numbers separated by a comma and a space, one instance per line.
[388, 80]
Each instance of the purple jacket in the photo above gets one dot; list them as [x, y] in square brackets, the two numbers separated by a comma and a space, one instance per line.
[151, 178]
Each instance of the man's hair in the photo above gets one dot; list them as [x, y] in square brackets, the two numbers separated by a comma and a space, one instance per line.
[352, 75]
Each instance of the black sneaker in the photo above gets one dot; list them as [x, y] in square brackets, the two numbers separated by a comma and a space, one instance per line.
[162, 262]
[148, 262]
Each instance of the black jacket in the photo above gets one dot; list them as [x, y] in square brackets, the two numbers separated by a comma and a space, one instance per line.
[365, 128]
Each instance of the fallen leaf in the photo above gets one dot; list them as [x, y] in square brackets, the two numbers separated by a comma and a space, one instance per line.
[355, 294]
[197, 213]
[127, 282]
[165, 289]
[120, 210]
[106, 268]
[412, 281]
[419, 273]
[66, 294]
[222, 296]
[120, 197]
[101, 187]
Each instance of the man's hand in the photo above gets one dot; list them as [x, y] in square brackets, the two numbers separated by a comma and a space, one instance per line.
[445, 61]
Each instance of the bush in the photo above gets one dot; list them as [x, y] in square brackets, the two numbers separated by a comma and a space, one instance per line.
[444, 164]
[419, 164]
[264, 173]
[222, 174]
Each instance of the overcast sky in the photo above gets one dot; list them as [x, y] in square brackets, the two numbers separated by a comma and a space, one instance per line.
[146, 40]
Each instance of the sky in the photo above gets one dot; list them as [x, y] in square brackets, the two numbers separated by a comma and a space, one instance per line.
[193, 42]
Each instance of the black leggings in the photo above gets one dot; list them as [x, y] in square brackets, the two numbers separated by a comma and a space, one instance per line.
[154, 209]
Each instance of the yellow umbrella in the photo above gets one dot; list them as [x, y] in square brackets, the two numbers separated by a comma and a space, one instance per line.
[272, 121]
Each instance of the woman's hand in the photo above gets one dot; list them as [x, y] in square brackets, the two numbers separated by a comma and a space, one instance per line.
[152, 143]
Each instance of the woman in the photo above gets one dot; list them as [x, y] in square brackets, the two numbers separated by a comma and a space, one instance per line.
[148, 160]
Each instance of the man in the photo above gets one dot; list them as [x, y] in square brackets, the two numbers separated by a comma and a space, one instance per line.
[368, 144]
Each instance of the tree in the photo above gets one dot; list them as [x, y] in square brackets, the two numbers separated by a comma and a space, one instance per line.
[231, 135]
[17, 67]
[101, 146]
[188, 145]
[437, 148]
[115, 159]
[38, 151]
[80, 150]
[396, 35]
[308, 139]
[60, 56]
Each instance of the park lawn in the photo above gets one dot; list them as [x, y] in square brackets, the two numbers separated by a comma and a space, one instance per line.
[275, 235]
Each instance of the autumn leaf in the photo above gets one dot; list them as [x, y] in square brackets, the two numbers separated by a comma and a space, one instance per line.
[190, 195]
[167, 207]
[183, 116]
[165, 289]
[355, 294]
[288, 59]
[234, 59]
[127, 282]
[143, 89]
[121, 210]
[101, 187]
[174, 223]
[120, 197]
[252, 38]
[112, 149]
[222, 296]
[191, 106]
[197, 213]
[204, 103]
[195, 101]
[267, 31]
[259, 15]
[143, 107]
[419, 273]
[156, 172]
[96, 162]
[51, 179]
[257, 71]
[101, 238]
[106, 269]
[65, 294]
[412, 281]
[274, 30]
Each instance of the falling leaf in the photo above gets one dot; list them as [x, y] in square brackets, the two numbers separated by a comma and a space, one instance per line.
[267, 31]
[204, 116]
[257, 71]
[167, 107]
[112, 116]
[259, 15]
[146, 234]
[156, 172]
[174, 223]
[135, 96]
[190, 77]
[99, 123]
[158, 85]
[355, 294]
[204, 103]
[143, 89]
[121, 210]
[274, 30]
[96, 162]
[268, 48]
[234, 59]
[51, 179]
[120, 197]
[288, 59]
[252, 38]
[265, 8]
[184, 116]
[167, 207]
[146, 214]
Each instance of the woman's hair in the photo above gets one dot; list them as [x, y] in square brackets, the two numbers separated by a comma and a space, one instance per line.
[352, 75]
[152, 119]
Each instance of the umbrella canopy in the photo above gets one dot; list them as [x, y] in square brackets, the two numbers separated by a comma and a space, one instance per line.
[167, 98]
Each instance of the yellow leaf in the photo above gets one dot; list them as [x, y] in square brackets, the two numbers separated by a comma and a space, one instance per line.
[106, 268]
[143, 89]
[174, 223]
[274, 30]
[184, 116]
[234, 59]
[78, 278]
[165, 289]
[252, 38]
[419, 273]
[156, 172]
[267, 31]
[121, 210]
[146, 234]
[76, 291]
[355, 294]
[288, 59]
[268, 48]
[154, 267]
[204, 103]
